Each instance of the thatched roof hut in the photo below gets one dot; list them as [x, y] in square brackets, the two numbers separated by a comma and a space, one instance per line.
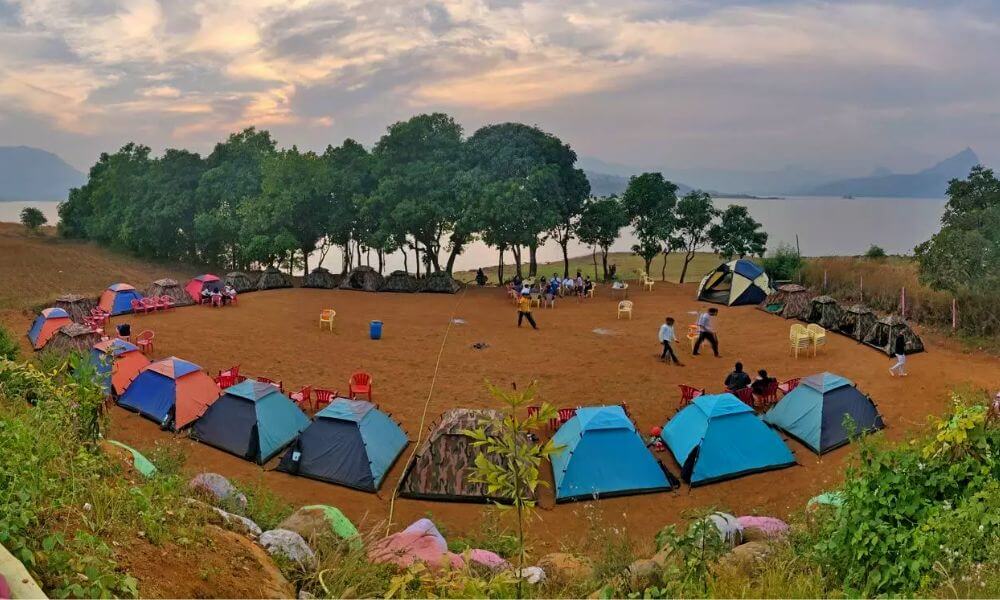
[883, 334]
[272, 279]
[240, 281]
[440, 283]
[73, 338]
[825, 311]
[400, 281]
[170, 287]
[365, 279]
[76, 305]
[321, 278]
[857, 321]
[788, 300]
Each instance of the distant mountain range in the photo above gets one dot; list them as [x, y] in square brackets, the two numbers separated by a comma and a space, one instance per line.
[29, 174]
[929, 183]
[606, 178]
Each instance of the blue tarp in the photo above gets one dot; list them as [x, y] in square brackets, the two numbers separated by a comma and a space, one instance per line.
[351, 442]
[603, 455]
[252, 420]
[814, 412]
[718, 437]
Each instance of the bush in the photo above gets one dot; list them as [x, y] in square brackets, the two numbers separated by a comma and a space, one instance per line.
[784, 264]
[32, 218]
[8, 347]
[875, 252]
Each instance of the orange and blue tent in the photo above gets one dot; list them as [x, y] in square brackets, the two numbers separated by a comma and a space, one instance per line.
[117, 362]
[194, 287]
[46, 325]
[117, 299]
[171, 392]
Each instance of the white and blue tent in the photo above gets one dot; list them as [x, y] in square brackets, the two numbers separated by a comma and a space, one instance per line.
[717, 437]
[734, 283]
[814, 412]
[603, 455]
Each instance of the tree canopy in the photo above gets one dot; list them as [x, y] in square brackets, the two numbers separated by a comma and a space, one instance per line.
[32, 218]
[737, 234]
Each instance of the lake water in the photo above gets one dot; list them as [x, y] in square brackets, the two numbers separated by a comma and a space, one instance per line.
[825, 226]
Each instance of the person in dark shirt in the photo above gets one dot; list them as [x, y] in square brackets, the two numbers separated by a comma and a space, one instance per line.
[760, 385]
[899, 349]
[480, 277]
[738, 379]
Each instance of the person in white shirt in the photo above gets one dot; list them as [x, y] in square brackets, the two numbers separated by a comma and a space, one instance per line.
[706, 331]
[666, 337]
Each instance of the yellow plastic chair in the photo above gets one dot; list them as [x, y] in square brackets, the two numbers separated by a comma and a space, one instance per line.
[818, 335]
[536, 300]
[326, 318]
[590, 292]
[647, 282]
[799, 338]
[625, 307]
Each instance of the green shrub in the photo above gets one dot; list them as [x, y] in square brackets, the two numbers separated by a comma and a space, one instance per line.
[875, 252]
[783, 264]
[8, 346]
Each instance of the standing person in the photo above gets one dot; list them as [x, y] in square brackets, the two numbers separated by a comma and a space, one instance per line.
[899, 349]
[706, 331]
[667, 336]
[524, 311]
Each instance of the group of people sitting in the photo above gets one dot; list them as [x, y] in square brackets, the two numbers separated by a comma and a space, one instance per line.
[215, 296]
[556, 286]
[739, 379]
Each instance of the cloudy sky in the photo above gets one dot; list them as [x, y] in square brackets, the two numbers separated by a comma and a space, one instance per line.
[841, 86]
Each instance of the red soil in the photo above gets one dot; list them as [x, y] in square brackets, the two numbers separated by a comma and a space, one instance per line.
[275, 334]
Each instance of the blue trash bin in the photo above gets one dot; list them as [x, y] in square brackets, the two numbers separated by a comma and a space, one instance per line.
[375, 330]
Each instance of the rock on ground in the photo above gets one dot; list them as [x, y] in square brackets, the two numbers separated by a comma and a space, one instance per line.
[566, 567]
[217, 488]
[314, 522]
[282, 542]
[745, 557]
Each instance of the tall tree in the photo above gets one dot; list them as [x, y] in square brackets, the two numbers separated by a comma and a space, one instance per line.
[737, 234]
[965, 254]
[417, 163]
[350, 181]
[695, 213]
[601, 221]
[649, 202]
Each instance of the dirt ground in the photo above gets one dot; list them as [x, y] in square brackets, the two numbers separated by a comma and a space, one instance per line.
[275, 334]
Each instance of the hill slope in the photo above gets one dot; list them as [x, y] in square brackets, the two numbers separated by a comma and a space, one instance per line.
[28, 174]
[929, 183]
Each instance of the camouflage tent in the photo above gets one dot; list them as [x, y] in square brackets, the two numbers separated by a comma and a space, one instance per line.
[272, 279]
[856, 321]
[440, 283]
[241, 282]
[73, 338]
[76, 306]
[400, 281]
[824, 311]
[440, 469]
[883, 335]
[170, 287]
[365, 279]
[321, 278]
[789, 300]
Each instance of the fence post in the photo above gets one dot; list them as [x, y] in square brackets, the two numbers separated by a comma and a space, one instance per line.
[861, 279]
[954, 314]
[824, 280]
[902, 302]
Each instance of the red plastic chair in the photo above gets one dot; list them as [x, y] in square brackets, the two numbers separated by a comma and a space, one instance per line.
[361, 384]
[145, 342]
[565, 414]
[769, 398]
[166, 302]
[225, 381]
[554, 423]
[233, 371]
[216, 300]
[324, 397]
[533, 411]
[789, 385]
[277, 384]
[745, 395]
[688, 393]
[303, 398]
[139, 306]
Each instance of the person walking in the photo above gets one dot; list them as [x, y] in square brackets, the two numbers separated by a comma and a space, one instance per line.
[667, 336]
[524, 311]
[706, 331]
[899, 349]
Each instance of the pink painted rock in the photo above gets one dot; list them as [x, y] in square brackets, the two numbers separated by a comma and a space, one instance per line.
[420, 542]
[766, 527]
[5, 592]
[485, 558]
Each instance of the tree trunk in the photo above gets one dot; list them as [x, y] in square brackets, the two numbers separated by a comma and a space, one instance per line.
[381, 259]
[687, 259]
[594, 254]
[648, 262]
[604, 262]
[516, 250]
[451, 258]
[305, 262]
[416, 251]
[500, 267]
[663, 269]
[564, 243]
[406, 266]
[533, 259]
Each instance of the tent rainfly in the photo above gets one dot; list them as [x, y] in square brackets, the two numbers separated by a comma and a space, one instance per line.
[117, 299]
[882, 335]
[273, 279]
[171, 289]
[46, 324]
[825, 312]
[856, 321]
[74, 337]
[76, 305]
[735, 283]
[240, 281]
[788, 300]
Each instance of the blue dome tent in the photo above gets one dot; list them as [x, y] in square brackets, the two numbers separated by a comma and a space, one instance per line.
[603, 455]
[814, 412]
[717, 437]
[252, 420]
[350, 442]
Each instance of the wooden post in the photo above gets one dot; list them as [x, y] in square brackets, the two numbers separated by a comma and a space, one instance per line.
[861, 279]
[954, 314]
[902, 302]
[824, 280]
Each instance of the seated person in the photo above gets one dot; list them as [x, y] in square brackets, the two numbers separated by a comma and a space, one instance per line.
[517, 282]
[618, 285]
[578, 283]
[738, 379]
[216, 296]
[124, 331]
[760, 384]
[228, 293]
[587, 285]
[206, 294]
[568, 284]
[553, 289]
